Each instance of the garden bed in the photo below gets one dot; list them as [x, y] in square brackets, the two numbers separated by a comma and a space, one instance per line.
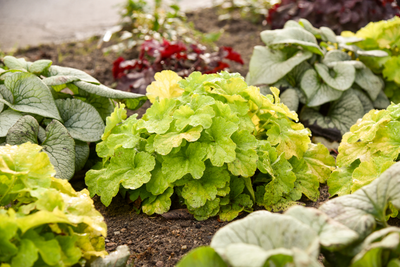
[155, 240]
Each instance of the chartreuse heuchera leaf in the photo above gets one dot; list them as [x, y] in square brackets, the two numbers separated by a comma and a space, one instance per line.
[35, 107]
[349, 231]
[383, 35]
[371, 147]
[318, 74]
[218, 144]
[43, 220]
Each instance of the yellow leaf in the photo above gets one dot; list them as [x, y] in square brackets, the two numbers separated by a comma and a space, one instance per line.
[165, 86]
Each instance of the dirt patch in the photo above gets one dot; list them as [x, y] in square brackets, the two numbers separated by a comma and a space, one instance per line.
[154, 240]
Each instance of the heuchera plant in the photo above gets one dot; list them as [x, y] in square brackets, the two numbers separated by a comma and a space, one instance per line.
[367, 151]
[34, 107]
[384, 35]
[43, 221]
[339, 15]
[218, 144]
[318, 76]
[349, 231]
[135, 75]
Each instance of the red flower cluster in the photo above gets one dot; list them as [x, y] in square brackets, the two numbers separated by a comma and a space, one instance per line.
[134, 75]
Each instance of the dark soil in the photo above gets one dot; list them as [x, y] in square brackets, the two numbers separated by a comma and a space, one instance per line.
[154, 241]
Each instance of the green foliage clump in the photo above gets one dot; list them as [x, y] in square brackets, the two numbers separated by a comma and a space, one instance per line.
[319, 75]
[211, 140]
[384, 35]
[253, 10]
[62, 109]
[43, 220]
[371, 147]
[349, 231]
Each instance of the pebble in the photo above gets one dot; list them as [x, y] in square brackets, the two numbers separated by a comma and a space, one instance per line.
[117, 232]
[183, 247]
[160, 264]
[123, 230]
[107, 240]
[111, 244]
[129, 242]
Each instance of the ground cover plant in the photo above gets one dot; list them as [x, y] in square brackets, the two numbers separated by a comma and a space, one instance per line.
[366, 151]
[159, 21]
[35, 107]
[254, 10]
[349, 231]
[135, 75]
[213, 141]
[327, 84]
[384, 35]
[43, 220]
[339, 15]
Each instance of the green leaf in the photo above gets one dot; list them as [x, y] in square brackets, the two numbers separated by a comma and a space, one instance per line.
[340, 77]
[161, 204]
[365, 129]
[368, 81]
[253, 242]
[128, 168]
[267, 66]
[245, 163]
[327, 35]
[333, 236]
[306, 183]
[291, 139]
[6, 94]
[81, 154]
[197, 191]
[290, 98]
[165, 143]
[40, 66]
[210, 209]
[49, 250]
[319, 161]
[316, 90]
[27, 254]
[392, 69]
[105, 91]
[55, 71]
[60, 147]
[59, 80]
[7, 119]
[197, 112]
[158, 117]
[381, 101]
[295, 36]
[364, 99]
[103, 105]
[189, 160]
[282, 182]
[361, 210]
[26, 129]
[15, 63]
[236, 205]
[218, 142]
[30, 95]
[341, 180]
[82, 120]
[375, 246]
[8, 229]
[341, 116]
[202, 257]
